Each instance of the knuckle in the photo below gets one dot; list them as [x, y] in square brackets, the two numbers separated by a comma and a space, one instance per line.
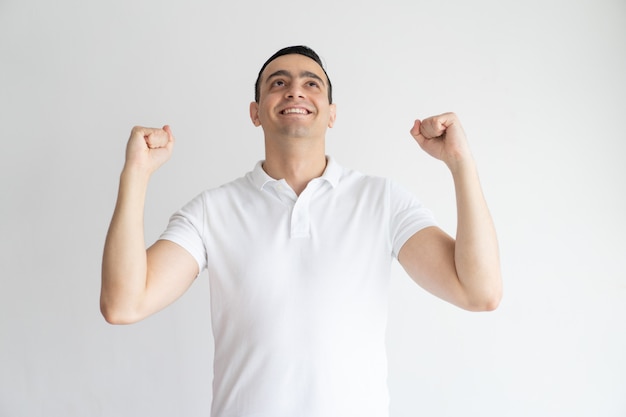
[136, 130]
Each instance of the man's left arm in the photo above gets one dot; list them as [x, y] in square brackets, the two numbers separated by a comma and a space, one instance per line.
[464, 271]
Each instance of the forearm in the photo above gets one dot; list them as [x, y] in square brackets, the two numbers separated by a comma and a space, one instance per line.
[476, 251]
[124, 264]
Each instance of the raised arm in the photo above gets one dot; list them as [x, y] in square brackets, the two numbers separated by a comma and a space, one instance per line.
[465, 271]
[137, 282]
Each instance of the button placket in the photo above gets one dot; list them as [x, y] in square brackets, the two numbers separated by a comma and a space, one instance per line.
[300, 220]
[300, 215]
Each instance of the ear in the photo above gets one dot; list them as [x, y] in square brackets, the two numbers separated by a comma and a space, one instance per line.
[254, 113]
[332, 115]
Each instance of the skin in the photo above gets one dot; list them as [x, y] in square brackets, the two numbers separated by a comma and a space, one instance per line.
[294, 113]
[464, 271]
[137, 282]
[294, 142]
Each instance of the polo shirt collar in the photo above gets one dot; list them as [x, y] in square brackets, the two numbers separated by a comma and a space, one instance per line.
[332, 174]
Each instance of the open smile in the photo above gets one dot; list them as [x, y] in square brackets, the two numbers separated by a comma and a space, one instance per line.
[295, 110]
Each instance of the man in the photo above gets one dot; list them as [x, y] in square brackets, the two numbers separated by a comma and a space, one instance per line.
[298, 253]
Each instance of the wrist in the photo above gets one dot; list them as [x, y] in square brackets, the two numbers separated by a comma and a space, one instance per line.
[135, 173]
[461, 164]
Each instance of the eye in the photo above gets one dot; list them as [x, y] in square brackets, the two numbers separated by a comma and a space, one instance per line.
[279, 83]
[313, 84]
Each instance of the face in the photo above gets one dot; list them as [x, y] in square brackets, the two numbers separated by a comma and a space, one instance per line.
[293, 99]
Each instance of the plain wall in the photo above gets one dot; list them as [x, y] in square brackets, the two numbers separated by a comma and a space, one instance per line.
[540, 87]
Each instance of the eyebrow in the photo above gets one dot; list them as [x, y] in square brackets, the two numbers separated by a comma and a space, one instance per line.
[303, 74]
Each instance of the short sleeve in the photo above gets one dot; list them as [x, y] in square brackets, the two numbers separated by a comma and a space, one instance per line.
[185, 228]
[408, 216]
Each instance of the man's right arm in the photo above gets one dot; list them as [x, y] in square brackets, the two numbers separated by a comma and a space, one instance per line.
[137, 282]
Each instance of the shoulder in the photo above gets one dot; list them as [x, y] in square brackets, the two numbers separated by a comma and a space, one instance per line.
[354, 178]
[238, 186]
[376, 188]
[217, 196]
[367, 184]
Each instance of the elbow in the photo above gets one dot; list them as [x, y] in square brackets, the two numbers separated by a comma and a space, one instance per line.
[488, 300]
[116, 315]
[117, 320]
[490, 294]
[491, 304]
[484, 305]
[113, 318]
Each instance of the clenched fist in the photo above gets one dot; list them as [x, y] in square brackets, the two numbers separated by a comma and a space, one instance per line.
[148, 148]
[443, 138]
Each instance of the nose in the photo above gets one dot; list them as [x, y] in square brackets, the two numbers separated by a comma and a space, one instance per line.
[294, 91]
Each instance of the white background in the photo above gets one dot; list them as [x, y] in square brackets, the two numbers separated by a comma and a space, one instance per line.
[540, 87]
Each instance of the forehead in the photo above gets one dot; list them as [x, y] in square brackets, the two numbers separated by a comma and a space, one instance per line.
[294, 64]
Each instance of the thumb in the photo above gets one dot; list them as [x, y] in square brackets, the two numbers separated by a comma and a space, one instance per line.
[415, 131]
[168, 130]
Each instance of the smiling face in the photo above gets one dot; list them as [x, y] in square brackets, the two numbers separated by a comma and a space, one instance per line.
[293, 101]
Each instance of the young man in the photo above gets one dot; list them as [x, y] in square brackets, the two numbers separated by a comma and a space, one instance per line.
[298, 254]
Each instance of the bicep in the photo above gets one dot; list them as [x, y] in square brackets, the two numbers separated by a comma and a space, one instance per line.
[428, 258]
[170, 272]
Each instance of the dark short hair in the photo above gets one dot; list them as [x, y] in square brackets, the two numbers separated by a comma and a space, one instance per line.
[300, 50]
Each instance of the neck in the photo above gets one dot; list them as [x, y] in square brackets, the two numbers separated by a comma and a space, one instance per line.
[297, 163]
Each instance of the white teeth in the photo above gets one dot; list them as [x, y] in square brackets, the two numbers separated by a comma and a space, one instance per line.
[296, 111]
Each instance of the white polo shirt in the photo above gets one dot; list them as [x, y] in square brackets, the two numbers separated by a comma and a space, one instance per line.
[299, 288]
